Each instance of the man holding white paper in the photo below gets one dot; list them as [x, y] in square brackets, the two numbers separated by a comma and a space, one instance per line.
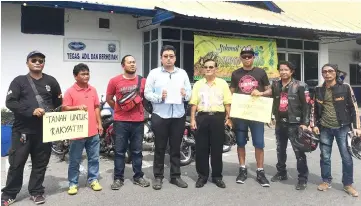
[250, 80]
[167, 88]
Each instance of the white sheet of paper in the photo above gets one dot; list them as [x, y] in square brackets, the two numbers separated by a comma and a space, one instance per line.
[173, 93]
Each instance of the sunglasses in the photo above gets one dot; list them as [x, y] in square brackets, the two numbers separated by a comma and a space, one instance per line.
[246, 56]
[41, 61]
[210, 67]
[327, 71]
[170, 56]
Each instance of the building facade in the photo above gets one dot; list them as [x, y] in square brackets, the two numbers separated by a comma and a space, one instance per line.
[142, 30]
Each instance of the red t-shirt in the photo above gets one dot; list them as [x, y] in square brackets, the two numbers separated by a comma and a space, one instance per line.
[76, 96]
[119, 86]
[283, 102]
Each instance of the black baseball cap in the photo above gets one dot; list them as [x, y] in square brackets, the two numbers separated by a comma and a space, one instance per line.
[247, 50]
[35, 53]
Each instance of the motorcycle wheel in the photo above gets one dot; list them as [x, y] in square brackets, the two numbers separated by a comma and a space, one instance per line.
[128, 157]
[60, 147]
[227, 148]
[103, 144]
[229, 141]
[186, 154]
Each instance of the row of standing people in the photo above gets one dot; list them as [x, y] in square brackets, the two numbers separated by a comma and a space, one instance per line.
[210, 100]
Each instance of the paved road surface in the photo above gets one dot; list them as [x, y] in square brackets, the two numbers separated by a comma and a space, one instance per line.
[250, 193]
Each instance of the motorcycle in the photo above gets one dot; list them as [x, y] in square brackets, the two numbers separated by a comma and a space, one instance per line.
[187, 147]
[107, 140]
[60, 148]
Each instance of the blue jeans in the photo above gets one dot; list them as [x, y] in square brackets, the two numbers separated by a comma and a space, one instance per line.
[257, 132]
[91, 145]
[125, 132]
[327, 136]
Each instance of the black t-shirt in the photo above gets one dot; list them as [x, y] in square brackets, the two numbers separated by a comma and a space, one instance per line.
[283, 106]
[245, 81]
[21, 101]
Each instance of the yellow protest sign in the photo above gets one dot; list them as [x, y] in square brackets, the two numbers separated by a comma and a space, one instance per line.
[64, 125]
[251, 108]
[226, 52]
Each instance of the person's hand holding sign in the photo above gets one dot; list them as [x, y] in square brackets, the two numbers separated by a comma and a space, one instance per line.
[164, 94]
[256, 93]
[82, 107]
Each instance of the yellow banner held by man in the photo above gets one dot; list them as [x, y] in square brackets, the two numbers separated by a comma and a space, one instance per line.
[251, 108]
[65, 125]
[226, 52]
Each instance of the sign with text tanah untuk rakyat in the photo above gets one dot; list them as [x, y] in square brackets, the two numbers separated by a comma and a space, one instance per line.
[65, 125]
[251, 108]
[91, 50]
[226, 52]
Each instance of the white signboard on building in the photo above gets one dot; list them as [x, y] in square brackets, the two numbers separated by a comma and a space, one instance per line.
[89, 50]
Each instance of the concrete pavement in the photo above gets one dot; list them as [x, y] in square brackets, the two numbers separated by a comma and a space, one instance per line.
[251, 193]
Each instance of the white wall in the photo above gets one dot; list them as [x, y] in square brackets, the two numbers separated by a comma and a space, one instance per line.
[340, 53]
[78, 24]
[323, 59]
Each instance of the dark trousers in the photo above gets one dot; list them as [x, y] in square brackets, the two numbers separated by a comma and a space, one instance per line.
[19, 152]
[171, 129]
[126, 132]
[209, 139]
[285, 131]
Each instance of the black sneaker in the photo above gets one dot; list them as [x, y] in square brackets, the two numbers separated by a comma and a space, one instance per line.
[301, 185]
[242, 176]
[141, 182]
[7, 202]
[117, 184]
[279, 176]
[261, 178]
[38, 199]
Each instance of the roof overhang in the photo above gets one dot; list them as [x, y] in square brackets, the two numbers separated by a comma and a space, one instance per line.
[91, 6]
[235, 12]
[268, 4]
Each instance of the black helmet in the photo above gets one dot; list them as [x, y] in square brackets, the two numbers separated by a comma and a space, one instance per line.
[306, 141]
[354, 145]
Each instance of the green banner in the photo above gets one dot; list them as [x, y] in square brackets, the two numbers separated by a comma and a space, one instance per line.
[226, 52]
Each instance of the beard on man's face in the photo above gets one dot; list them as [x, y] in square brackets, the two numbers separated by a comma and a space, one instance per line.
[130, 72]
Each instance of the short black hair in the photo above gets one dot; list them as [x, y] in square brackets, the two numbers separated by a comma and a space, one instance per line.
[333, 66]
[124, 57]
[211, 60]
[288, 64]
[79, 68]
[166, 48]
